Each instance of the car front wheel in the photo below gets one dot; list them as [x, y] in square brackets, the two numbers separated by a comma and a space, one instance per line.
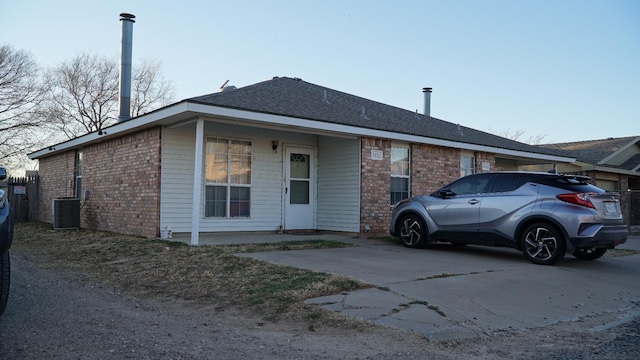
[4, 281]
[413, 232]
[589, 254]
[543, 244]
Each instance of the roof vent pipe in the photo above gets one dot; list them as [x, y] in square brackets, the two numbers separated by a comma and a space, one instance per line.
[126, 45]
[427, 101]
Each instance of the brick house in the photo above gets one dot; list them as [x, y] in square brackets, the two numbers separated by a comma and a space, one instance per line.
[282, 154]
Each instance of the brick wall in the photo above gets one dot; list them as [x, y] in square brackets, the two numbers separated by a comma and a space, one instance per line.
[122, 177]
[484, 157]
[433, 167]
[57, 180]
[375, 210]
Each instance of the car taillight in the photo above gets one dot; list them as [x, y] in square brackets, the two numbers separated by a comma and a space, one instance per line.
[581, 199]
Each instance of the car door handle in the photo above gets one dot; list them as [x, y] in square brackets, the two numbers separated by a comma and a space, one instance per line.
[473, 201]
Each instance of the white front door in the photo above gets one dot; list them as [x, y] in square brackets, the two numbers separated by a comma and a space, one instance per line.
[299, 201]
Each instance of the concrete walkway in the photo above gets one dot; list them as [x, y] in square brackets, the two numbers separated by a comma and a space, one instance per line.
[445, 292]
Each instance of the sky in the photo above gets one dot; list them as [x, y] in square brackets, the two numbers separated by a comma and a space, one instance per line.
[568, 70]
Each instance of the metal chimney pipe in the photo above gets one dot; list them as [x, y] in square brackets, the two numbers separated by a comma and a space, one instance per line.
[126, 45]
[427, 101]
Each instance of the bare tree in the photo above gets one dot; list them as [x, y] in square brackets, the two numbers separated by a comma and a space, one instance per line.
[20, 95]
[517, 134]
[82, 93]
[149, 89]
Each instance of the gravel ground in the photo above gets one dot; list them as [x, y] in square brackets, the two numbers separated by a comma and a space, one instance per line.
[55, 313]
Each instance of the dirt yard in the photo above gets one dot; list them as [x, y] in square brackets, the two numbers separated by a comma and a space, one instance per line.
[94, 295]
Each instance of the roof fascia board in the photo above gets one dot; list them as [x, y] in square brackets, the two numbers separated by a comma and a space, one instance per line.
[113, 130]
[619, 151]
[280, 120]
[354, 130]
[610, 170]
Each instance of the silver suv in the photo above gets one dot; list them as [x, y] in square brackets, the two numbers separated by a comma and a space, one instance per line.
[545, 215]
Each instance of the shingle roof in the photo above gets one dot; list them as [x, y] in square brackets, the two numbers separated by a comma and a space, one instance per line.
[297, 98]
[632, 163]
[594, 151]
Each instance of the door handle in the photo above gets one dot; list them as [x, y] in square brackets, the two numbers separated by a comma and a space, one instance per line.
[473, 201]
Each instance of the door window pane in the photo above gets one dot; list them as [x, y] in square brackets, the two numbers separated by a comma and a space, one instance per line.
[508, 182]
[471, 185]
[299, 166]
[299, 192]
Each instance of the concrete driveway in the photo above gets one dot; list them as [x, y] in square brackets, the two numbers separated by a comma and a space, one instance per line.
[447, 292]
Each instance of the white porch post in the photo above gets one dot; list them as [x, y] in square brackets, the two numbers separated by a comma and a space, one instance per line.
[197, 183]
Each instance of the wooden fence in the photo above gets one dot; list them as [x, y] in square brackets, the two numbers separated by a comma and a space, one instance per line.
[23, 197]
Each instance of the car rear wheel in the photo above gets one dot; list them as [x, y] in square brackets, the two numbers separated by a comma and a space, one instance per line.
[543, 244]
[413, 232]
[4, 281]
[589, 254]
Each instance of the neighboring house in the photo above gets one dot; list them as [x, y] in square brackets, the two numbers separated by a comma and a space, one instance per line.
[613, 164]
[278, 155]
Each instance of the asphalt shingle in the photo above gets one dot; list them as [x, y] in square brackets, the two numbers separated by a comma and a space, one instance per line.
[594, 151]
[297, 98]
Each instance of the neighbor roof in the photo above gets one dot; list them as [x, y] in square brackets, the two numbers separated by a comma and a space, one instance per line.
[599, 152]
[297, 98]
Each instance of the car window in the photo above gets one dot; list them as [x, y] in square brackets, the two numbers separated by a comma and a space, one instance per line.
[507, 182]
[471, 185]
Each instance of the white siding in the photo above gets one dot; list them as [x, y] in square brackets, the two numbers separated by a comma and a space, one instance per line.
[177, 177]
[266, 178]
[338, 184]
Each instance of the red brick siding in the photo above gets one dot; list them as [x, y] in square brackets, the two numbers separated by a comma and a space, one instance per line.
[432, 167]
[485, 157]
[57, 180]
[123, 179]
[375, 210]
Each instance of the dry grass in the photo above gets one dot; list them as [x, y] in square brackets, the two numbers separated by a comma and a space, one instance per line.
[207, 275]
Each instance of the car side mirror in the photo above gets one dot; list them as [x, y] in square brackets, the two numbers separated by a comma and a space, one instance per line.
[3, 173]
[447, 193]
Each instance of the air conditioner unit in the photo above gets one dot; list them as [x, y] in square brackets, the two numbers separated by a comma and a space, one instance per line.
[66, 213]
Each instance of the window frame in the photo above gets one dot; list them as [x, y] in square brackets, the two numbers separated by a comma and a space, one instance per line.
[243, 204]
[79, 169]
[464, 170]
[403, 177]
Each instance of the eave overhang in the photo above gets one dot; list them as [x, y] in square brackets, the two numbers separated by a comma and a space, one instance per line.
[185, 111]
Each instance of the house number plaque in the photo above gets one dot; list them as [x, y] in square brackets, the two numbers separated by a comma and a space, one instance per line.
[377, 155]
